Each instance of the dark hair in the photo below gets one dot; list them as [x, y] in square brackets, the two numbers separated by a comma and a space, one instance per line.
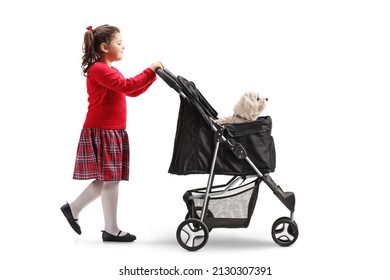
[93, 38]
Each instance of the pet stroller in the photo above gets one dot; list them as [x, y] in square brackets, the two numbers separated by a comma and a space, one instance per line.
[244, 151]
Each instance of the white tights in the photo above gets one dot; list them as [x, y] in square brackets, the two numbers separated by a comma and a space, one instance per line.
[109, 195]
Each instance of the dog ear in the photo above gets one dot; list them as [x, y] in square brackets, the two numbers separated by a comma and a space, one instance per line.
[250, 105]
[244, 106]
[254, 96]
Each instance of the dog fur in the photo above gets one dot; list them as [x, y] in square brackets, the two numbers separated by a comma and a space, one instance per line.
[248, 108]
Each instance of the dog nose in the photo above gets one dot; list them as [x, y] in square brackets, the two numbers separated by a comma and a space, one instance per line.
[266, 99]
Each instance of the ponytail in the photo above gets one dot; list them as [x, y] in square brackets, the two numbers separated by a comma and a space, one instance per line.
[93, 38]
[89, 56]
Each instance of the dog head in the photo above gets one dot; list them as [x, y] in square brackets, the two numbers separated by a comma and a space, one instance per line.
[250, 106]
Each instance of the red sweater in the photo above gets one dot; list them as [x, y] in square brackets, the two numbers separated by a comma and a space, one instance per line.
[107, 90]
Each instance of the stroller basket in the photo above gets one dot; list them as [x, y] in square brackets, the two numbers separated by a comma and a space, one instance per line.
[229, 206]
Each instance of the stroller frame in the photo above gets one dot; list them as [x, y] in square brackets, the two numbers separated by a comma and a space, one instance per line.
[192, 234]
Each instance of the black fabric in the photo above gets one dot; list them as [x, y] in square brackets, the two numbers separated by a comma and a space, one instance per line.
[197, 99]
[194, 141]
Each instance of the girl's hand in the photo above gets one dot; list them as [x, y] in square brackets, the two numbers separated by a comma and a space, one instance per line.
[156, 65]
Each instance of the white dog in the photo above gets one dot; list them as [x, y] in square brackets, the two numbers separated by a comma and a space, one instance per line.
[248, 108]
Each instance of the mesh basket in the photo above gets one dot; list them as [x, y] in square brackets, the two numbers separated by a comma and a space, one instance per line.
[228, 207]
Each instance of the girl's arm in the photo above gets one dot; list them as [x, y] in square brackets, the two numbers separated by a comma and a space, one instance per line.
[112, 79]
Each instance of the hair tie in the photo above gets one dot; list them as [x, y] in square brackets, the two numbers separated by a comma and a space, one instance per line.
[90, 28]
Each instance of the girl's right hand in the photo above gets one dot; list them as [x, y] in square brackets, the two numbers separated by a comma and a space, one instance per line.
[156, 65]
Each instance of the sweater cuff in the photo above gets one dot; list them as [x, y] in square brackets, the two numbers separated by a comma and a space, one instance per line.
[150, 72]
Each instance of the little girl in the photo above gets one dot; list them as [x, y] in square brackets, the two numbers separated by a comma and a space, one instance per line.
[103, 149]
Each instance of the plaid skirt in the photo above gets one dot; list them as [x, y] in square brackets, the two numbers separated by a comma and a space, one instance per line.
[102, 154]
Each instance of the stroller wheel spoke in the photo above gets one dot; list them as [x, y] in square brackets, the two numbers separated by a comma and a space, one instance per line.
[194, 236]
[283, 235]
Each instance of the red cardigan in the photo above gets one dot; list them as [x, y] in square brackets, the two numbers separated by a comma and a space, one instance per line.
[107, 90]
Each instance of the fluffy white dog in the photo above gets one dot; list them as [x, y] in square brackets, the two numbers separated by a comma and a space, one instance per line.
[248, 108]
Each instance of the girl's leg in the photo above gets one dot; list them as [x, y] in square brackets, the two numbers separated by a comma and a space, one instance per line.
[110, 206]
[90, 193]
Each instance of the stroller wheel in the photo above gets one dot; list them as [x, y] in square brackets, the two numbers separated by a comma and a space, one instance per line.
[284, 231]
[192, 234]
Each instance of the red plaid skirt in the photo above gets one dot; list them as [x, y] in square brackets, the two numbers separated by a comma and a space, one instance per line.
[102, 154]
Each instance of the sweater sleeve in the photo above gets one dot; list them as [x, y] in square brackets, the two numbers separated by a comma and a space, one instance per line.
[113, 80]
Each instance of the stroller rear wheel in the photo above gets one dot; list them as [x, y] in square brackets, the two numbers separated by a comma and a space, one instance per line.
[192, 234]
[284, 231]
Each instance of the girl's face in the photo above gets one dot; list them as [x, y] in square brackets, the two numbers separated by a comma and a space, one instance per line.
[115, 48]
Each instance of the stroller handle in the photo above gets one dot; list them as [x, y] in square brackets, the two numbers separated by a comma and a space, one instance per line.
[169, 78]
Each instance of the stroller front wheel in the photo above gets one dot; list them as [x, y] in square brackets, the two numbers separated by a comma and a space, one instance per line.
[285, 231]
[192, 234]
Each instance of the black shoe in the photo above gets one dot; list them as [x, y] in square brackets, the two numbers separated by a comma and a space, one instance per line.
[69, 216]
[125, 238]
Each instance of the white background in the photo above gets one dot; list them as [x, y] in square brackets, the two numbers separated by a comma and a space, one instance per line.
[324, 65]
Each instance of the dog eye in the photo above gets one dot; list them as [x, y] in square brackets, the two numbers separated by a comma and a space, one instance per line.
[258, 98]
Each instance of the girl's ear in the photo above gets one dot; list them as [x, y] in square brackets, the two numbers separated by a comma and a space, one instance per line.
[104, 47]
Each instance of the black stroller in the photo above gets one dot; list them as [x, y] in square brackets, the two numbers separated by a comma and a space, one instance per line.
[243, 151]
